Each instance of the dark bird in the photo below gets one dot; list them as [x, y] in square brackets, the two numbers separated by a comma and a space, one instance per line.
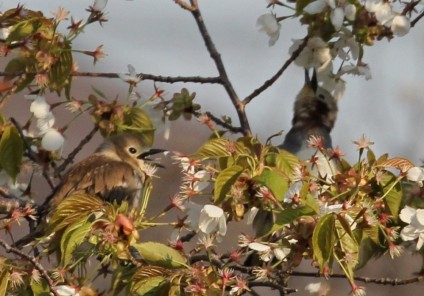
[315, 112]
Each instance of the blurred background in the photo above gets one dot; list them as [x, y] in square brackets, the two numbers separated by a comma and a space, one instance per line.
[158, 37]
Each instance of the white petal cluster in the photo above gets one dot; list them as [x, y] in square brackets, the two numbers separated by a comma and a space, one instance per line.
[64, 290]
[415, 229]
[99, 5]
[399, 24]
[316, 54]
[52, 139]
[269, 24]
[416, 174]
[339, 11]
[212, 220]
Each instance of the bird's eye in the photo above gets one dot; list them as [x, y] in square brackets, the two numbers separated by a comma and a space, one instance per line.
[321, 96]
[132, 150]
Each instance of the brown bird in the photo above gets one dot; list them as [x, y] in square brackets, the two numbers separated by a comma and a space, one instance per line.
[116, 171]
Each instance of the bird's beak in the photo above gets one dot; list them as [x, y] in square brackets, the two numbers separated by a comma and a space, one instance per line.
[153, 151]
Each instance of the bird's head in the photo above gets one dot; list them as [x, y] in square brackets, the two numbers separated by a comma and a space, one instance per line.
[314, 105]
[128, 147]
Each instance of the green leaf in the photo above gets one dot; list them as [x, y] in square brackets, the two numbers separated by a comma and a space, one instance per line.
[290, 215]
[72, 209]
[225, 180]
[159, 254]
[154, 286]
[348, 244]
[370, 157]
[23, 29]
[40, 288]
[17, 65]
[73, 236]
[138, 121]
[368, 250]
[274, 181]
[59, 74]
[394, 195]
[216, 148]
[4, 281]
[121, 277]
[286, 162]
[11, 151]
[324, 239]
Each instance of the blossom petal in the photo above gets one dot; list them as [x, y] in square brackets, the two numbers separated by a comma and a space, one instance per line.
[259, 247]
[315, 7]
[52, 140]
[350, 12]
[408, 233]
[337, 17]
[384, 14]
[400, 25]
[420, 241]
[407, 213]
[373, 5]
[39, 107]
[420, 217]
[99, 5]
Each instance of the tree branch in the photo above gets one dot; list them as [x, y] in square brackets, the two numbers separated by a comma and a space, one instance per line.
[381, 281]
[33, 261]
[216, 57]
[184, 5]
[271, 81]
[415, 21]
[143, 76]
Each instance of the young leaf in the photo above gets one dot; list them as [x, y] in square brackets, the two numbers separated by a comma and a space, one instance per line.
[154, 286]
[275, 182]
[286, 162]
[324, 239]
[216, 148]
[225, 180]
[138, 121]
[4, 281]
[393, 197]
[73, 236]
[40, 288]
[159, 254]
[399, 163]
[11, 151]
[59, 74]
[289, 215]
[22, 30]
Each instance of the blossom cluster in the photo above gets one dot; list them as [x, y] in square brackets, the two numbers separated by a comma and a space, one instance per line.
[339, 30]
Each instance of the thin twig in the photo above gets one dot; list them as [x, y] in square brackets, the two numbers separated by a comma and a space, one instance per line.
[185, 5]
[70, 158]
[219, 122]
[33, 260]
[143, 76]
[222, 123]
[281, 289]
[271, 81]
[415, 21]
[380, 281]
[216, 57]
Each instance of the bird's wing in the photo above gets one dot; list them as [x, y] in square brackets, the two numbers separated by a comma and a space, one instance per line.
[100, 175]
